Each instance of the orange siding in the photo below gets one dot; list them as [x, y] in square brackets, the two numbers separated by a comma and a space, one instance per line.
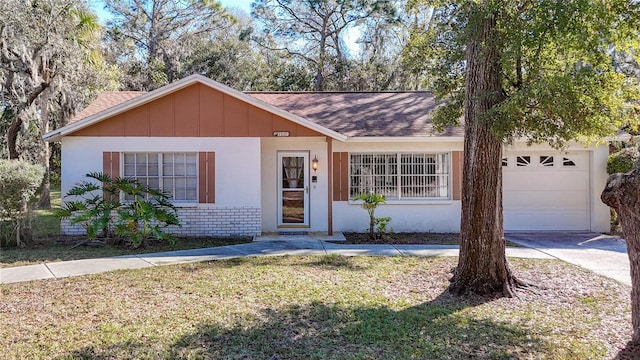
[109, 127]
[196, 110]
[305, 131]
[187, 118]
[236, 117]
[456, 170]
[136, 121]
[260, 122]
[162, 113]
[281, 124]
[211, 112]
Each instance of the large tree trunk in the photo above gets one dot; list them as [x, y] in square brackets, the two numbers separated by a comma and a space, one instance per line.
[482, 265]
[622, 193]
[45, 189]
[12, 137]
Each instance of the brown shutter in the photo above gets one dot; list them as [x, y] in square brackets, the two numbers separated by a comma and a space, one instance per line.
[207, 177]
[111, 163]
[340, 176]
[457, 163]
[111, 167]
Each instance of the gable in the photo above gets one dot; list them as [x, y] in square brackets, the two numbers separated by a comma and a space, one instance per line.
[195, 111]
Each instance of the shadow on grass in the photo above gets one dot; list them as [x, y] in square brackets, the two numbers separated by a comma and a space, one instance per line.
[440, 329]
[630, 352]
[332, 261]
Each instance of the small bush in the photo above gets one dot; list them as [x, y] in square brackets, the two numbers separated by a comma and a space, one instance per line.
[144, 212]
[622, 161]
[19, 182]
[377, 226]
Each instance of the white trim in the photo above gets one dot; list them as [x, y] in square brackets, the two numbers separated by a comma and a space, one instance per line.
[180, 84]
[304, 190]
[403, 139]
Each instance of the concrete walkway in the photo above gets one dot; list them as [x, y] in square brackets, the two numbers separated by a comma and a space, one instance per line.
[603, 254]
[310, 245]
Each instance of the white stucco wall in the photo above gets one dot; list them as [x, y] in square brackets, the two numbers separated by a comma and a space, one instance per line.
[318, 192]
[237, 176]
[444, 216]
[406, 215]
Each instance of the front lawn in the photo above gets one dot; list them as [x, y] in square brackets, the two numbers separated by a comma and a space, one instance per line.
[324, 307]
[50, 251]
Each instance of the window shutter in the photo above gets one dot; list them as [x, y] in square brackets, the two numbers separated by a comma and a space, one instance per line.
[111, 167]
[340, 176]
[457, 163]
[111, 163]
[206, 177]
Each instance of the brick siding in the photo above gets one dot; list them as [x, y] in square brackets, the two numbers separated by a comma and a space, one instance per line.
[205, 220]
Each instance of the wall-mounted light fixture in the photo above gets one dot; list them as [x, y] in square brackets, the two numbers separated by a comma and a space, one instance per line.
[314, 163]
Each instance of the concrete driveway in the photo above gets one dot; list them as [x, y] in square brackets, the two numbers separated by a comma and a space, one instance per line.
[603, 254]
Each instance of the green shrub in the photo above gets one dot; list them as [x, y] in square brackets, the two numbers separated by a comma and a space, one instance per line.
[622, 161]
[90, 208]
[19, 182]
[146, 215]
[144, 212]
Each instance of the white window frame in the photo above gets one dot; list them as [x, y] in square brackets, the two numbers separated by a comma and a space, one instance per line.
[393, 183]
[162, 177]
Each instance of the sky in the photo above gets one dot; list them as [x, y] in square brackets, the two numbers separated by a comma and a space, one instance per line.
[243, 5]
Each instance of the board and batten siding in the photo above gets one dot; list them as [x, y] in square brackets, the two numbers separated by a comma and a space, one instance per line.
[195, 111]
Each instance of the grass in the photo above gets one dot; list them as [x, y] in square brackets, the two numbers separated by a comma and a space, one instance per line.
[47, 251]
[328, 307]
[45, 222]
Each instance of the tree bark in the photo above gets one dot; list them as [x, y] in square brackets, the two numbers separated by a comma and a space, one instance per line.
[622, 193]
[45, 188]
[482, 266]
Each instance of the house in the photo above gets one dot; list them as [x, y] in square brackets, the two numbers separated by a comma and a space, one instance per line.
[246, 163]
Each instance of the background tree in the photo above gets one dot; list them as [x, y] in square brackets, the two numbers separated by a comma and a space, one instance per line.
[519, 69]
[379, 65]
[313, 31]
[50, 65]
[150, 40]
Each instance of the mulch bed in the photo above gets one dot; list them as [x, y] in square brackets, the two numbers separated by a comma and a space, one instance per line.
[409, 239]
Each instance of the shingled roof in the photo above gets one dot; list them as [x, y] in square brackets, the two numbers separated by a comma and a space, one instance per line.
[354, 114]
[104, 101]
[363, 114]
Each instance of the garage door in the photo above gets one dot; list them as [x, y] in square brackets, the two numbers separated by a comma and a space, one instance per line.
[546, 191]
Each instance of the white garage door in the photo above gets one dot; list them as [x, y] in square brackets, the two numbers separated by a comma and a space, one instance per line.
[546, 191]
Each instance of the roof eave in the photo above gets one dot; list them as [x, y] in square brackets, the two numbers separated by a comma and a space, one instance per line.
[404, 139]
[56, 135]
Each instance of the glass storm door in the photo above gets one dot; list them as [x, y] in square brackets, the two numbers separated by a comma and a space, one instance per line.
[293, 189]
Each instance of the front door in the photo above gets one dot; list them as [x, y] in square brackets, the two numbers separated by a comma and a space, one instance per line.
[293, 189]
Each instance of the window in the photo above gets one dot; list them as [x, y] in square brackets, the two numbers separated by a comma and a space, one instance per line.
[523, 160]
[400, 176]
[546, 160]
[568, 162]
[505, 161]
[173, 173]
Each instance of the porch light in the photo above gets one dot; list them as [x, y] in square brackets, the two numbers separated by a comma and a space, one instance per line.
[314, 163]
